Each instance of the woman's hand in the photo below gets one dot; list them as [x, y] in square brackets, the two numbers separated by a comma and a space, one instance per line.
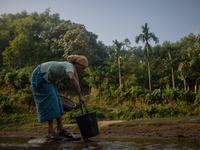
[81, 100]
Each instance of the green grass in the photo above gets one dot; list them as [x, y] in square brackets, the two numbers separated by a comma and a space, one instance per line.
[161, 121]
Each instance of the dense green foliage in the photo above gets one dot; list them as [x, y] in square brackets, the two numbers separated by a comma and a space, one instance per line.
[117, 75]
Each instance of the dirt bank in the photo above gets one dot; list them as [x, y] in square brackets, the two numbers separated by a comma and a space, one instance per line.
[176, 127]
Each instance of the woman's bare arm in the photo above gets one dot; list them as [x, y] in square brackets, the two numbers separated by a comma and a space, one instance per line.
[75, 85]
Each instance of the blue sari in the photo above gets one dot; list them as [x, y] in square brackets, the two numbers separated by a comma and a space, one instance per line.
[47, 99]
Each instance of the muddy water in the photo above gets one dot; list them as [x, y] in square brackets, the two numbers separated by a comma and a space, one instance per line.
[15, 143]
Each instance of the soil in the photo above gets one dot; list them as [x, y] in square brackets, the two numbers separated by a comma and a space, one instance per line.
[168, 128]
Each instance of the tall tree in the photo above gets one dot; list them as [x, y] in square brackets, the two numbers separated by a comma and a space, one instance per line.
[170, 49]
[159, 67]
[117, 47]
[197, 43]
[74, 41]
[7, 29]
[145, 37]
[19, 51]
[190, 59]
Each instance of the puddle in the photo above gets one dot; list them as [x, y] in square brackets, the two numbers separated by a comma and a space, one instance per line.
[16, 143]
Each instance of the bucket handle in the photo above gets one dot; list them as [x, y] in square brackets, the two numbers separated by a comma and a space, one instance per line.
[86, 110]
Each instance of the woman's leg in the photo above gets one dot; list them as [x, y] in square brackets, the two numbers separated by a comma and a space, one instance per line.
[59, 124]
[51, 133]
[50, 128]
[60, 128]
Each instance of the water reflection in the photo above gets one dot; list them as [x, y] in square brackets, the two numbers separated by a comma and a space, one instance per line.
[15, 143]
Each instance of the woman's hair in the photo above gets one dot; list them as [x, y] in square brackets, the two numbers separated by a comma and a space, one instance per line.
[82, 60]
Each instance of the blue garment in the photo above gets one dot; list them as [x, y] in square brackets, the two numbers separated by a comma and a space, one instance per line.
[48, 102]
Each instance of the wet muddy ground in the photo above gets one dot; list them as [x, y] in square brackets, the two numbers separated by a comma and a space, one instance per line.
[16, 143]
[125, 129]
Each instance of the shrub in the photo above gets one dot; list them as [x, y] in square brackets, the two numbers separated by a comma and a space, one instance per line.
[138, 92]
[3, 98]
[24, 96]
[64, 84]
[11, 77]
[5, 106]
[23, 77]
[190, 97]
[126, 112]
[69, 117]
[197, 99]
[2, 75]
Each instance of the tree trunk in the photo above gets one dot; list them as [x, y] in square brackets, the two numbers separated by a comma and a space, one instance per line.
[188, 88]
[120, 82]
[184, 84]
[173, 78]
[149, 72]
[195, 88]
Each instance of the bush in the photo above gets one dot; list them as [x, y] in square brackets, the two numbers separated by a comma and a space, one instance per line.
[5, 106]
[23, 97]
[69, 117]
[11, 77]
[2, 75]
[197, 99]
[150, 111]
[23, 77]
[190, 97]
[126, 112]
[64, 84]
[17, 78]
[138, 92]
[130, 112]
[3, 98]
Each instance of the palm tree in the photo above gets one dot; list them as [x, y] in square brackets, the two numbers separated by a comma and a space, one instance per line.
[118, 49]
[170, 48]
[145, 38]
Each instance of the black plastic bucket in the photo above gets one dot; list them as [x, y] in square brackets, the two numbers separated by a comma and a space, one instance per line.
[87, 124]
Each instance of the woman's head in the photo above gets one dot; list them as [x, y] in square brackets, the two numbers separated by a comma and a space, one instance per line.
[80, 62]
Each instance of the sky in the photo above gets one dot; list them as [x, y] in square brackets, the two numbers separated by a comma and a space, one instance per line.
[169, 20]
